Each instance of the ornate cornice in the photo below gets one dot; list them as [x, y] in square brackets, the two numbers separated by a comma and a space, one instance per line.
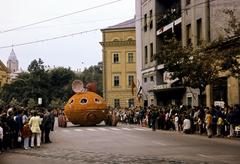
[118, 43]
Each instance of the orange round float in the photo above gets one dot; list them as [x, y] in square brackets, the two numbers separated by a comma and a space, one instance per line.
[85, 107]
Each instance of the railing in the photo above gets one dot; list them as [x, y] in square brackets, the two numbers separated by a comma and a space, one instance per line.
[167, 17]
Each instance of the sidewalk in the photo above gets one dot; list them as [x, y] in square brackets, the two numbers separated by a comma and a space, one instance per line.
[125, 125]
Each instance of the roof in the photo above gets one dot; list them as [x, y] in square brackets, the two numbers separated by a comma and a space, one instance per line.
[3, 67]
[126, 24]
[12, 56]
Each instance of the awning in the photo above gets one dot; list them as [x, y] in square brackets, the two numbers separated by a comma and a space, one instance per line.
[172, 89]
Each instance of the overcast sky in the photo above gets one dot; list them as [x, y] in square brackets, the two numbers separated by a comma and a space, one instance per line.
[77, 51]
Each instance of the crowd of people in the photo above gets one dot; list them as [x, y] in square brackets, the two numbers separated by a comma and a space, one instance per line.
[211, 121]
[21, 128]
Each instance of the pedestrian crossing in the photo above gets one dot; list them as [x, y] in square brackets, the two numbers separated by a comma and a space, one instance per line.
[104, 129]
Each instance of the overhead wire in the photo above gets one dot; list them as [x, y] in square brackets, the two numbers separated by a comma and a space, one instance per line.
[79, 33]
[48, 39]
[58, 17]
[76, 12]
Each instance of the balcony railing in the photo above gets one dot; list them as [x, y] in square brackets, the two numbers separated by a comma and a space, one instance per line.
[168, 16]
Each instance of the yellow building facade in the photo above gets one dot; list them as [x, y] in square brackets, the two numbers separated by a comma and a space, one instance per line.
[119, 64]
[4, 74]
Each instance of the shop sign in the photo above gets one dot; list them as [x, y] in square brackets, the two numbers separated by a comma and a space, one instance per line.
[163, 86]
[219, 103]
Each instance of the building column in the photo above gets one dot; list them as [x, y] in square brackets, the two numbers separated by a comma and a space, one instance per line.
[209, 96]
[206, 21]
[233, 91]
[194, 24]
[184, 29]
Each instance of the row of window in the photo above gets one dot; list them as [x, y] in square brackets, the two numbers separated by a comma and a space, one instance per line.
[146, 53]
[198, 33]
[84, 101]
[150, 21]
[117, 103]
[116, 58]
[151, 79]
[116, 80]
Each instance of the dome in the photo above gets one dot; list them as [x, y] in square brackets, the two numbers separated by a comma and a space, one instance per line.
[12, 56]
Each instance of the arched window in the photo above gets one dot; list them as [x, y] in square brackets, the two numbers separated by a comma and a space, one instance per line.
[116, 39]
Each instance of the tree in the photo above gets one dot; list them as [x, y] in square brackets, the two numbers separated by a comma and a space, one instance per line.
[31, 104]
[53, 86]
[14, 103]
[190, 66]
[56, 104]
[2, 104]
[39, 81]
[60, 82]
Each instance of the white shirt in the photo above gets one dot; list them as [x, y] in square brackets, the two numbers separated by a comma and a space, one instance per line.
[186, 124]
[176, 119]
[1, 133]
[24, 119]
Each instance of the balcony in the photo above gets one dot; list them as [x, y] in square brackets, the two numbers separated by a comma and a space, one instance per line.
[168, 16]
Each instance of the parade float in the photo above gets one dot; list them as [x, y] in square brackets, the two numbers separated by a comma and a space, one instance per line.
[85, 107]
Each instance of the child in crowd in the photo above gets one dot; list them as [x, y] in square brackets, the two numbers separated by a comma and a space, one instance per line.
[26, 134]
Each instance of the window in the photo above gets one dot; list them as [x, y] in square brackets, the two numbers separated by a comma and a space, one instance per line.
[146, 54]
[71, 101]
[116, 81]
[116, 103]
[151, 21]
[145, 22]
[83, 101]
[130, 102]
[188, 2]
[97, 101]
[151, 78]
[130, 80]
[145, 79]
[199, 31]
[115, 58]
[151, 52]
[115, 40]
[189, 33]
[130, 57]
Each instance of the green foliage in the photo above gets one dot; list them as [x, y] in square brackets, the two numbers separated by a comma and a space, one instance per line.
[192, 67]
[36, 67]
[60, 82]
[233, 24]
[56, 104]
[2, 104]
[53, 86]
[15, 103]
[31, 104]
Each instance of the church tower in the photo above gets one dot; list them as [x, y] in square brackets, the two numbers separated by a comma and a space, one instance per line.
[12, 62]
